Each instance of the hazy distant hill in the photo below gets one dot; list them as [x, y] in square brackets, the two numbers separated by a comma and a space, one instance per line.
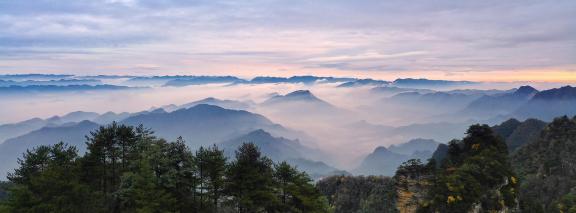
[380, 162]
[228, 104]
[492, 105]
[16, 129]
[414, 145]
[109, 117]
[34, 89]
[297, 79]
[364, 82]
[199, 80]
[549, 104]
[8, 131]
[518, 133]
[439, 101]
[316, 169]
[297, 97]
[391, 90]
[427, 83]
[73, 134]
[203, 124]
[60, 82]
[276, 148]
[385, 161]
[282, 149]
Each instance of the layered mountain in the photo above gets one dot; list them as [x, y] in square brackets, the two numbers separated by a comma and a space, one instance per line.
[364, 82]
[380, 162]
[414, 146]
[427, 83]
[385, 161]
[282, 149]
[517, 134]
[391, 90]
[501, 104]
[549, 104]
[297, 97]
[71, 133]
[204, 124]
[436, 100]
[298, 79]
[276, 148]
[8, 131]
[36, 89]
[316, 169]
[110, 117]
[228, 104]
[59, 82]
[200, 80]
[16, 129]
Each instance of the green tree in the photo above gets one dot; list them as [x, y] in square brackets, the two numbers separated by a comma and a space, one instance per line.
[110, 149]
[211, 163]
[48, 181]
[250, 181]
[296, 193]
[476, 174]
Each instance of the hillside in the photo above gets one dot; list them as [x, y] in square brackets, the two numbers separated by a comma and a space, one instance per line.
[547, 166]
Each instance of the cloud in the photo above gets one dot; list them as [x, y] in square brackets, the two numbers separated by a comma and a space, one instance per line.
[366, 56]
[378, 35]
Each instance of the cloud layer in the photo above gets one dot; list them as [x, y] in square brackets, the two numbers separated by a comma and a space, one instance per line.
[342, 37]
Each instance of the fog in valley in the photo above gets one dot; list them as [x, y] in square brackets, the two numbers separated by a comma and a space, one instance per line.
[345, 123]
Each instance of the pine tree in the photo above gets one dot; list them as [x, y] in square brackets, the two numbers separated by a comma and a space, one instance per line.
[250, 181]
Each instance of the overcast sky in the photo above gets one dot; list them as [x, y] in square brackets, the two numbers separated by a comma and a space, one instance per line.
[493, 40]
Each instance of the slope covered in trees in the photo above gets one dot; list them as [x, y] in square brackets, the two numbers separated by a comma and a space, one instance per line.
[475, 176]
[547, 168]
[128, 169]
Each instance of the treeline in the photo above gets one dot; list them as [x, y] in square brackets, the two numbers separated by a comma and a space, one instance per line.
[127, 169]
[478, 174]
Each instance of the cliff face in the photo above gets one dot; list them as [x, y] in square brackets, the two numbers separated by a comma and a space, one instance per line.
[411, 193]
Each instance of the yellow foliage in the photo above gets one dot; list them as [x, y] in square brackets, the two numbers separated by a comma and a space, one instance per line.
[513, 180]
[476, 146]
[451, 199]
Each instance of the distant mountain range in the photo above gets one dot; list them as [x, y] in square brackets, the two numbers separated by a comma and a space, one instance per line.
[11, 90]
[281, 149]
[228, 104]
[439, 101]
[297, 97]
[517, 134]
[364, 82]
[60, 82]
[205, 124]
[385, 161]
[548, 104]
[501, 104]
[71, 133]
[427, 83]
[8, 131]
[199, 80]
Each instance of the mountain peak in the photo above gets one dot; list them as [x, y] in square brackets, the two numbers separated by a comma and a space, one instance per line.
[562, 93]
[526, 90]
[299, 93]
[260, 133]
[380, 150]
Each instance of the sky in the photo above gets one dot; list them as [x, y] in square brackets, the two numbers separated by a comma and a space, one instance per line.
[488, 40]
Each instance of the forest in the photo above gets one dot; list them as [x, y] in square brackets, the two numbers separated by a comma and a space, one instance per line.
[128, 169]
